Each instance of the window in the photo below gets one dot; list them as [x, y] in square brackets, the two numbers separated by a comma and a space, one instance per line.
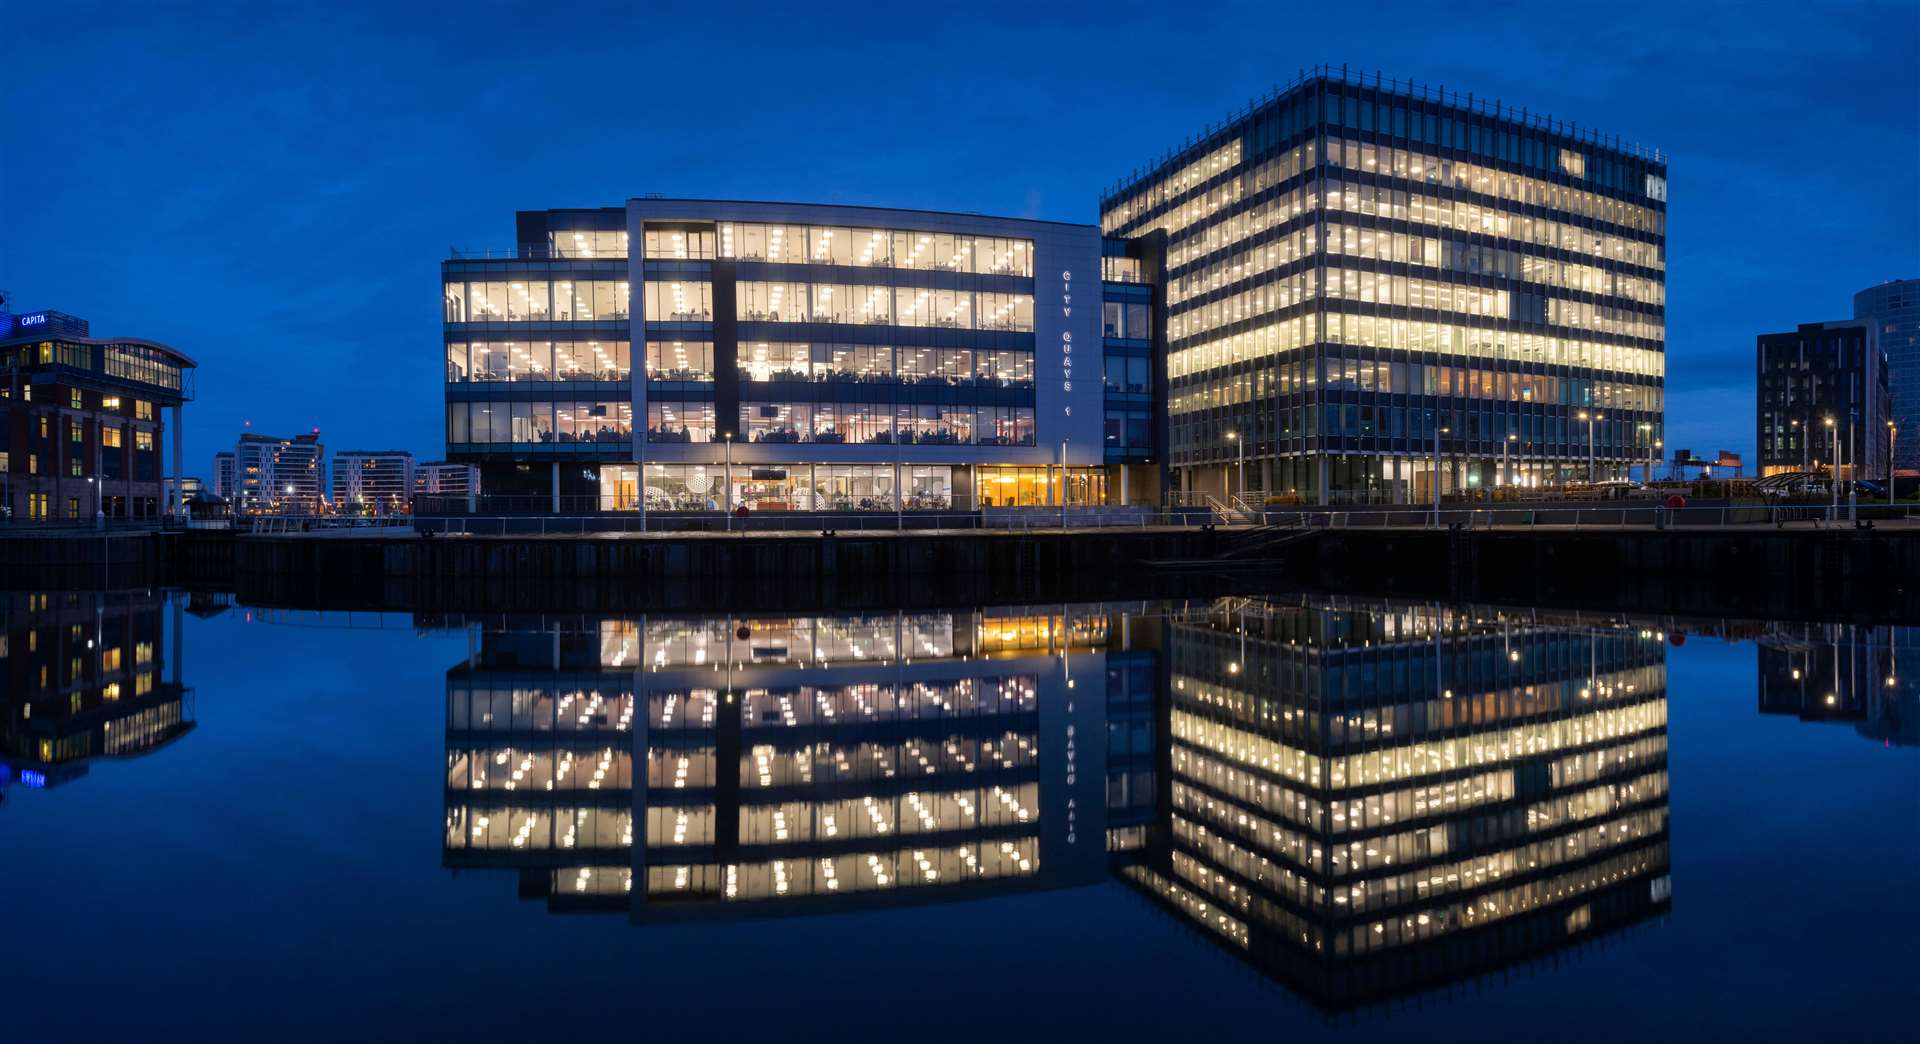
[680, 360]
[671, 420]
[538, 300]
[3, 462]
[76, 432]
[683, 487]
[73, 511]
[777, 361]
[143, 440]
[680, 244]
[587, 243]
[76, 399]
[142, 409]
[538, 361]
[109, 436]
[874, 247]
[110, 402]
[679, 301]
[539, 422]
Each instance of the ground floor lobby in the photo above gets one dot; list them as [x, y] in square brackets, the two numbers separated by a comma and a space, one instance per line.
[810, 487]
[1387, 479]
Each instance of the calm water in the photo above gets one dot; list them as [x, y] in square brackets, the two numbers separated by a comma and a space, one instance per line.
[1246, 819]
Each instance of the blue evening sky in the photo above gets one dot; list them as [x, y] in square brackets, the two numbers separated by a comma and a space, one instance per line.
[270, 187]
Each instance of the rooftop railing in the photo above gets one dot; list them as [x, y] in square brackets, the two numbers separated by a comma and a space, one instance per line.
[1404, 88]
[533, 252]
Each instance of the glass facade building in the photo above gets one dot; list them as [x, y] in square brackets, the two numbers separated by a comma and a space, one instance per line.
[1364, 279]
[698, 355]
[1893, 309]
[1824, 401]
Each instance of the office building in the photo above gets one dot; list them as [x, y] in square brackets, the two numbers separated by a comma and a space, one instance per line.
[690, 355]
[440, 478]
[85, 676]
[1893, 309]
[1824, 401]
[81, 431]
[223, 480]
[275, 476]
[1367, 802]
[373, 482]
[1363, 277]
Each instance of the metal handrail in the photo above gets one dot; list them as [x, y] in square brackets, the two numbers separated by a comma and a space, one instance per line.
[1616, 516]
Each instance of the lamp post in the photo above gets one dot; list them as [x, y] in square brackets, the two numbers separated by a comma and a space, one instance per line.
[1853, 486]
[1648, 428]
[1506, 468]
[1893, 434]
[1437, 432]
[99, 517]
[1590, 418]
[1833, 514]
[1658, 446]
[726, 483]
[1795, 423]
[1063, 484]
[1241, 444]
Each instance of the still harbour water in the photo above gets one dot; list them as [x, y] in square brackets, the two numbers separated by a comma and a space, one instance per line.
[1253, 818]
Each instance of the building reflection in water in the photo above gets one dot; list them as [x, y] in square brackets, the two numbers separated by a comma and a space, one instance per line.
[1363, 803]
[1843, 673]
[1367, 803]
[85, 675]
[669, 766]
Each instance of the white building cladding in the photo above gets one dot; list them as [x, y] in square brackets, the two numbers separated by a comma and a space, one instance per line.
[837, 354]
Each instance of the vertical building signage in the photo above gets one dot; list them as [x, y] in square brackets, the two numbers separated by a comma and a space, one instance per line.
[1066, 338]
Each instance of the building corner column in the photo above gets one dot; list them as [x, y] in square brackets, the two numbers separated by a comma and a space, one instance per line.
[174, 499]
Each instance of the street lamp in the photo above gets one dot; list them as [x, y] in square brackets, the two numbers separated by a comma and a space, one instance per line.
[1063, 485]
[1241, 443]
[1590, 418]
[1803, 444]
[1893, 433]
[726, 479]
[1834, 468]
[1505, 467]
[1437, 432]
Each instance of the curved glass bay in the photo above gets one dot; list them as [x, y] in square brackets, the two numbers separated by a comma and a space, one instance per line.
[1237, 818]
